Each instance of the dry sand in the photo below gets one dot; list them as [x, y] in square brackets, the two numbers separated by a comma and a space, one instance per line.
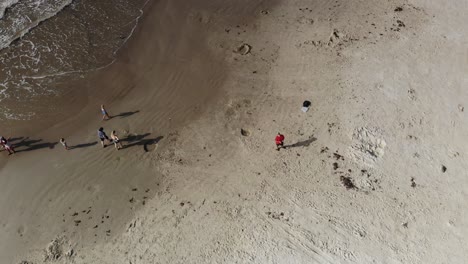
[374, 172]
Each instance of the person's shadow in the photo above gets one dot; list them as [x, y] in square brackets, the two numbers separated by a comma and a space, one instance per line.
[125, 114]
[33, 144]
[84, 145]
[303, 143]
[15, 139]
[141, 140]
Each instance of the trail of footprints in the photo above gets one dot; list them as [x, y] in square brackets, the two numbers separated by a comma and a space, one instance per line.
[81, 217]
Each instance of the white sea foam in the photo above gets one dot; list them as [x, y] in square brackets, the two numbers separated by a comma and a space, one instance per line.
[24, 16]
[5, 4]
[135, 23]
[60, 47]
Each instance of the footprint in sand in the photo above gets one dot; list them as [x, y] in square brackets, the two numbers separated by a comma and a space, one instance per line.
[245, 132]
[20, 231]
[244, 49]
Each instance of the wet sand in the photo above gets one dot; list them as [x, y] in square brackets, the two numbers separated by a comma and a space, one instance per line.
[151, 91]
[373, 173]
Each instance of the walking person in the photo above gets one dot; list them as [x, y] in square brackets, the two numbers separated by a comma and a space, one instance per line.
[105, 115]
[102, 136]
[116, 140]
[6, 145]
[2, 141]
[279, 140]
[64, 144]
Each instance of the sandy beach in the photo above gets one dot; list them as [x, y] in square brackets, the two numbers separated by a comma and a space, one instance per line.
[373, 172]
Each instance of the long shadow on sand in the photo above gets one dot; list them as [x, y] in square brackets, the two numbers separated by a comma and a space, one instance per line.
[32, 144]
[84, 145]
[15, 139]
[125, 114]
[141, 140]
[304, 143]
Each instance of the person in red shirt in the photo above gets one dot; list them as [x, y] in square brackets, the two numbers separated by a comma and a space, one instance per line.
[279, 140]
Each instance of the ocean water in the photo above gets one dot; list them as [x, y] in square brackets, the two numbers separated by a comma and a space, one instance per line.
[4, 4]
[45, 42]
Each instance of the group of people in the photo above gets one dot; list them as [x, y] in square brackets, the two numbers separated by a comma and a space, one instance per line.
[279, 139]
[101, 134]
[113, 138]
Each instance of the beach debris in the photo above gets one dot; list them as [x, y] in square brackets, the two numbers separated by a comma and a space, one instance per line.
[405, 225]
[398, 9]
[400, 23]
[347, 182]
[324, 149]
[335, 165]
[413, 183]
[412, 92]
[276, 216]
[444, 169]
[335, 37]
[305, 106]
[264, 12]
[77, 222]
[244, 49]
[132, 225]
[305, 20]
[70, 253]
[245, 132]
[461, 108]
[330, 127]
[338, 156]
[134, 189]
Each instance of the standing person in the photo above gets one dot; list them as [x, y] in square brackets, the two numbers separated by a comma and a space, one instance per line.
[6, 145]
[64, 144]
[279, 140]
[102, 136]
[116, 140]
[105, 115]
[2, 141]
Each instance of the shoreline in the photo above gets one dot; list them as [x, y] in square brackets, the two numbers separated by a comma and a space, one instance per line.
[55, 63]
[121, 97]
